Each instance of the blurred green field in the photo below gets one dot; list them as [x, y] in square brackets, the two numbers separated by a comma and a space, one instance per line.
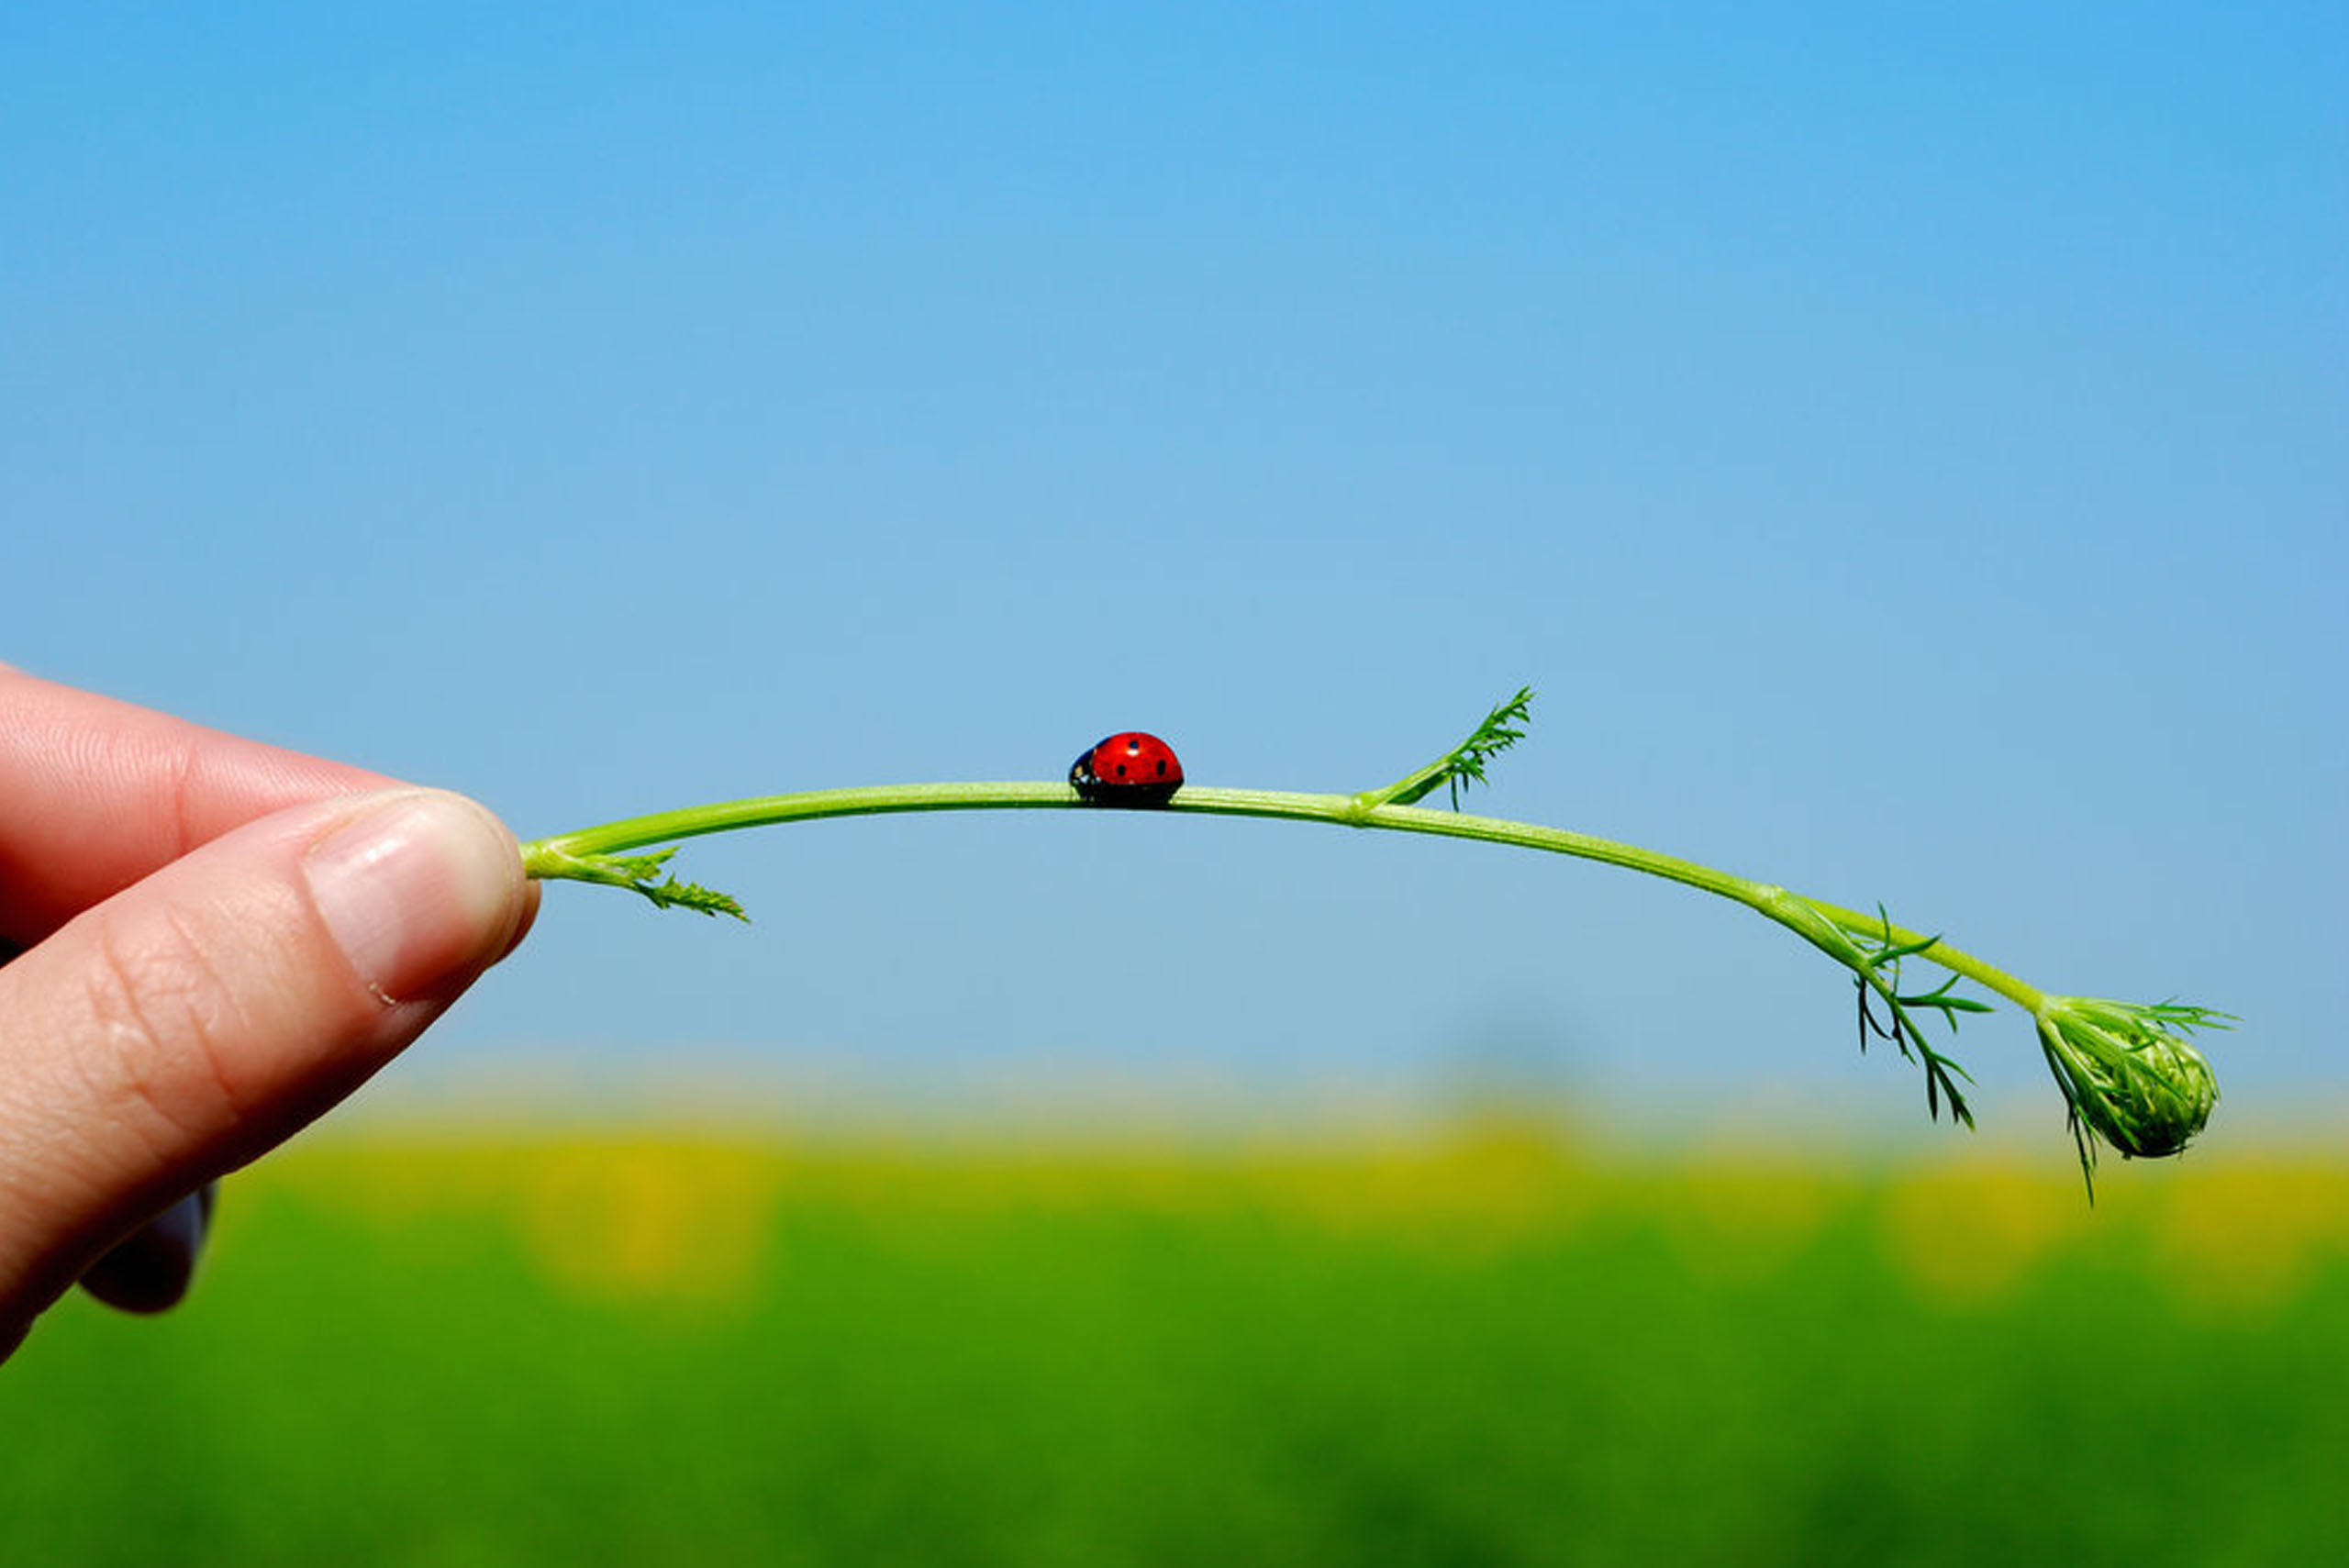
[1493, 1349]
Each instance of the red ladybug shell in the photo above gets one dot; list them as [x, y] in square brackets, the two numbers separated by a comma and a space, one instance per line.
[1127, 769]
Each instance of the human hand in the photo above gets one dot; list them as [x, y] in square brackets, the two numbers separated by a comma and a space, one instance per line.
[216, 942]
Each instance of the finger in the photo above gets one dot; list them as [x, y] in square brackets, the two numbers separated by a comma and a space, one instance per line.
[150, 1269]
[96, 794]
[177, 1030]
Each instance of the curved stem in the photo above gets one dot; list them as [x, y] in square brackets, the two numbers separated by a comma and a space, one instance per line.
[2029, 998]
[563, 854]
[2127, 1071]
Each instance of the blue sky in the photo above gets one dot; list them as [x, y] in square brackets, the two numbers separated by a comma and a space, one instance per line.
[1905, 450]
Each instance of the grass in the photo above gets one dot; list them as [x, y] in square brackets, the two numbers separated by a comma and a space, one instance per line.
[1498, 1349]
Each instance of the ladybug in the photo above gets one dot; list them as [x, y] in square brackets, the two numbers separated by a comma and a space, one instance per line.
[1130, 769]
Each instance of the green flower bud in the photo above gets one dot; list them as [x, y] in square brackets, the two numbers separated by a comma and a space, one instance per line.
[2126, 1069]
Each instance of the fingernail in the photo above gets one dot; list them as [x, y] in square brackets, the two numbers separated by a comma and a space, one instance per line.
[415, 889]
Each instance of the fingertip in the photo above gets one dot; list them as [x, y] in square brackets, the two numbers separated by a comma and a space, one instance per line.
[420, 890]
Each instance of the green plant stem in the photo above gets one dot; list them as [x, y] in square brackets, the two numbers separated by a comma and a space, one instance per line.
[2029, 998]
[563, 854]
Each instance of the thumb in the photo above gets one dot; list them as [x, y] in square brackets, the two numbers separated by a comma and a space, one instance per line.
[202, 1016]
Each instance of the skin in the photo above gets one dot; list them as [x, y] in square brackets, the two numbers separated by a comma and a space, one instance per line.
[208, 943]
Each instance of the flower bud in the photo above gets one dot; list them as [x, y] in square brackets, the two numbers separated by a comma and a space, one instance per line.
[2127, 1070]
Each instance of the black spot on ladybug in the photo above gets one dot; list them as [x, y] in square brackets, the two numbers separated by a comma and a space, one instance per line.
[1131, 769]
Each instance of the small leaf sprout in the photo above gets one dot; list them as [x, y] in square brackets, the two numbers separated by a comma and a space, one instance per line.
[2131, 1076]
[1879, 977]
[647, 876]
[1464, 763]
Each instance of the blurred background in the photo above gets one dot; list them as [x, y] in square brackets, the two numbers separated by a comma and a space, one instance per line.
[1903, 451]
